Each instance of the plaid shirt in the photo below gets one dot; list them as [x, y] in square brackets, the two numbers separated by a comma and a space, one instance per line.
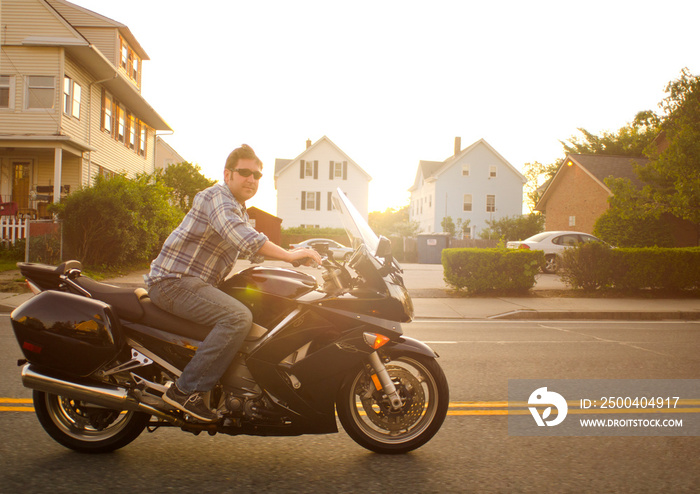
[209, 240]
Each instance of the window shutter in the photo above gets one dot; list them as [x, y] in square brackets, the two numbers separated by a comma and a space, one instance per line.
[315, 170]
[301, 168]
[332, 169]
[345, 170]
[330, 201]
[318, 201]
[303, 200]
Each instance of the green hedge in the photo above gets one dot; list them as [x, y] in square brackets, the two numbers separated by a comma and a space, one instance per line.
[594, 266]
[484, 270]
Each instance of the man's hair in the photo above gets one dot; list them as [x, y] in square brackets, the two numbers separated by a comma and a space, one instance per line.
[244, 152]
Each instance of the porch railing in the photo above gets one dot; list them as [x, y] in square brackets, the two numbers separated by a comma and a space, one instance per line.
[13, 228]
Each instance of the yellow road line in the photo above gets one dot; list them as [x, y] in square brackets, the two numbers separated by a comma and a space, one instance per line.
[468, 408]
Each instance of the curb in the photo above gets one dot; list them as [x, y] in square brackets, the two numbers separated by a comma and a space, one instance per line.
[527, 314]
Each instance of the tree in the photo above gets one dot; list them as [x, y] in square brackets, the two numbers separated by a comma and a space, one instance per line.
[630, 140]
[514, 227]
[629, 222]
[448, 225]
[117, 221]
[393, 223]
[673, 174]
[537, 174]
[185, 180]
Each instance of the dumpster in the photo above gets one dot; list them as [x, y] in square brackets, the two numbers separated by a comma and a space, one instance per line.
[430, 246]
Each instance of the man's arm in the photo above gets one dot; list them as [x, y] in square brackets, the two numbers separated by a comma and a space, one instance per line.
[274, 251]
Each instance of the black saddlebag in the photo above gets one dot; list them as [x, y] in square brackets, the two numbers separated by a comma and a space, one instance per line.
[67, 333]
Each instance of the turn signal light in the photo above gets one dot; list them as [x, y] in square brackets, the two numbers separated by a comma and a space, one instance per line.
[376, 340]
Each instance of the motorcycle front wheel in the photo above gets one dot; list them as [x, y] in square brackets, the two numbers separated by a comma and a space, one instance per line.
[84, 427]
[368, 418]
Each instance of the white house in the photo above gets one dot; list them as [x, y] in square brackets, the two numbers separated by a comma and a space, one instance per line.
[475, 184]
[305, 185]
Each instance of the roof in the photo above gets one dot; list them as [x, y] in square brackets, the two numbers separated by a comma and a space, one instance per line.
[283, 164]
[599, 167]
[92, 59]
[433, 169]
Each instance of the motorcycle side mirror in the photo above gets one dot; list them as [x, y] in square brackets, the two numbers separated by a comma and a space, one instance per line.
[384, 247]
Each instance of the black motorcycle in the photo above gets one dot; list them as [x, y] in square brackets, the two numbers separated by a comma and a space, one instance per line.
[100, 357]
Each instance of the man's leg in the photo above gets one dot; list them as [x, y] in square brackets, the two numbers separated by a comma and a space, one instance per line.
[197, 301]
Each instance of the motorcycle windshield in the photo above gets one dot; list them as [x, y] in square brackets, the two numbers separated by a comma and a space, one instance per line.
[355, 225]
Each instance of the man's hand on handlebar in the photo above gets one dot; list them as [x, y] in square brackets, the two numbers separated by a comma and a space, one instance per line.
[307, 257]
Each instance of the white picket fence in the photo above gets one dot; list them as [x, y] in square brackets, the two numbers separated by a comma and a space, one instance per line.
[13, 228]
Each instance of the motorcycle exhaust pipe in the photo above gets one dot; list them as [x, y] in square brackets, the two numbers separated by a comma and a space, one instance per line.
[104, 395]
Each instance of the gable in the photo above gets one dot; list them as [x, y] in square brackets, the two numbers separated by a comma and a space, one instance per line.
[597, 168]
[323, 147]
[479, 147]
[35, 19]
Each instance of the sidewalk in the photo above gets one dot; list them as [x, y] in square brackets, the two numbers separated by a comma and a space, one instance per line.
[433, 300]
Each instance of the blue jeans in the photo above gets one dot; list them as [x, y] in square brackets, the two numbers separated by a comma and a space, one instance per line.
[197, 301]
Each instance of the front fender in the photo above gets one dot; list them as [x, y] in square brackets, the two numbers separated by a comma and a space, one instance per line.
[411, 345]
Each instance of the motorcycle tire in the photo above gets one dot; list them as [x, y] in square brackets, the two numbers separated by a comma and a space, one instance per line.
[87, 428]
[369, 420]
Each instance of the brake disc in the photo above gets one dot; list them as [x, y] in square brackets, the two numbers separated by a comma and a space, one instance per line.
[381, 413]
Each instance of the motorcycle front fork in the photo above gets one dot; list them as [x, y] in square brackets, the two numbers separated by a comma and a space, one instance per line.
[383, 382]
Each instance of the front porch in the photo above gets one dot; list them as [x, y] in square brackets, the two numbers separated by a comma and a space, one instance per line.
[31, 178]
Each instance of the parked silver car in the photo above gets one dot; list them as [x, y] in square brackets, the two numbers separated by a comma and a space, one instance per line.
[340, 252]
[553, 244]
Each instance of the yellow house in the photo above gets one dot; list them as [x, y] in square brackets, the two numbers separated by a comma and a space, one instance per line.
[70, 102]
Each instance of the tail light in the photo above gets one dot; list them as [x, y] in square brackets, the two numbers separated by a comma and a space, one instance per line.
[524, 246]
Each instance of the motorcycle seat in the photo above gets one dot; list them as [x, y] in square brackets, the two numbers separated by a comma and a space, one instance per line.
[134, 305]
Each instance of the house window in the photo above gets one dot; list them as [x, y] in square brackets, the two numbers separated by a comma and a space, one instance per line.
[311, 201]
[6, 92]
[572, 220]
[107, 113]
[40, 91]
[121, 123]
[467, 205]
[77, 91]
[142, 140]
[129, 60]
[71, 97]
[67, 96]
[493, 171]
[465, 170]
[490, 204]
[132, 132]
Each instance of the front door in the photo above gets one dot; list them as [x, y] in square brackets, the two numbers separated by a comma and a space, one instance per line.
[21, 182]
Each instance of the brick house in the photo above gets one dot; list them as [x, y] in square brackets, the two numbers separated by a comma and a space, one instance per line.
[577, 195]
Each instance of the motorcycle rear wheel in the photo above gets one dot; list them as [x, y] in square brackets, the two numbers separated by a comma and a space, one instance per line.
[367, 417]
[84, 427]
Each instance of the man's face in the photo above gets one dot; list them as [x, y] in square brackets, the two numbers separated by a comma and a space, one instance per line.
[242, 188]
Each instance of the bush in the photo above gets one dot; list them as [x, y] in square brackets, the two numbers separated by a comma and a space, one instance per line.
[117, 221]
[593, 266]
[483, 270]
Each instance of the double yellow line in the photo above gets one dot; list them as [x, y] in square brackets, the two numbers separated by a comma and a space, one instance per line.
[16, 405]
[458, 408]
[521, 408]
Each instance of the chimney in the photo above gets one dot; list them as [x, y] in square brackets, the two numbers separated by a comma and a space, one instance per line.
[308, 143]
[458, 145]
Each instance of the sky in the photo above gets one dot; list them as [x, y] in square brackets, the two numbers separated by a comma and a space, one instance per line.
[394, 82]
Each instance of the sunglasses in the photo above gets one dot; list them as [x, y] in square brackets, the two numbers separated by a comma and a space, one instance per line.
[245, 172]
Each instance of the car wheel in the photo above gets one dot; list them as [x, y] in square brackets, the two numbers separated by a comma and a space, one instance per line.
[551, 264]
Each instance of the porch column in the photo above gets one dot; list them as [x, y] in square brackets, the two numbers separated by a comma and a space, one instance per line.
[57, 165]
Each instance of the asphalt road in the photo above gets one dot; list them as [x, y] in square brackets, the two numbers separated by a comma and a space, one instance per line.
[470, 453]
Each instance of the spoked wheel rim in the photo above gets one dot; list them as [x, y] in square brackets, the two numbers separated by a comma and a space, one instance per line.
[373, 415]
[84, 421]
